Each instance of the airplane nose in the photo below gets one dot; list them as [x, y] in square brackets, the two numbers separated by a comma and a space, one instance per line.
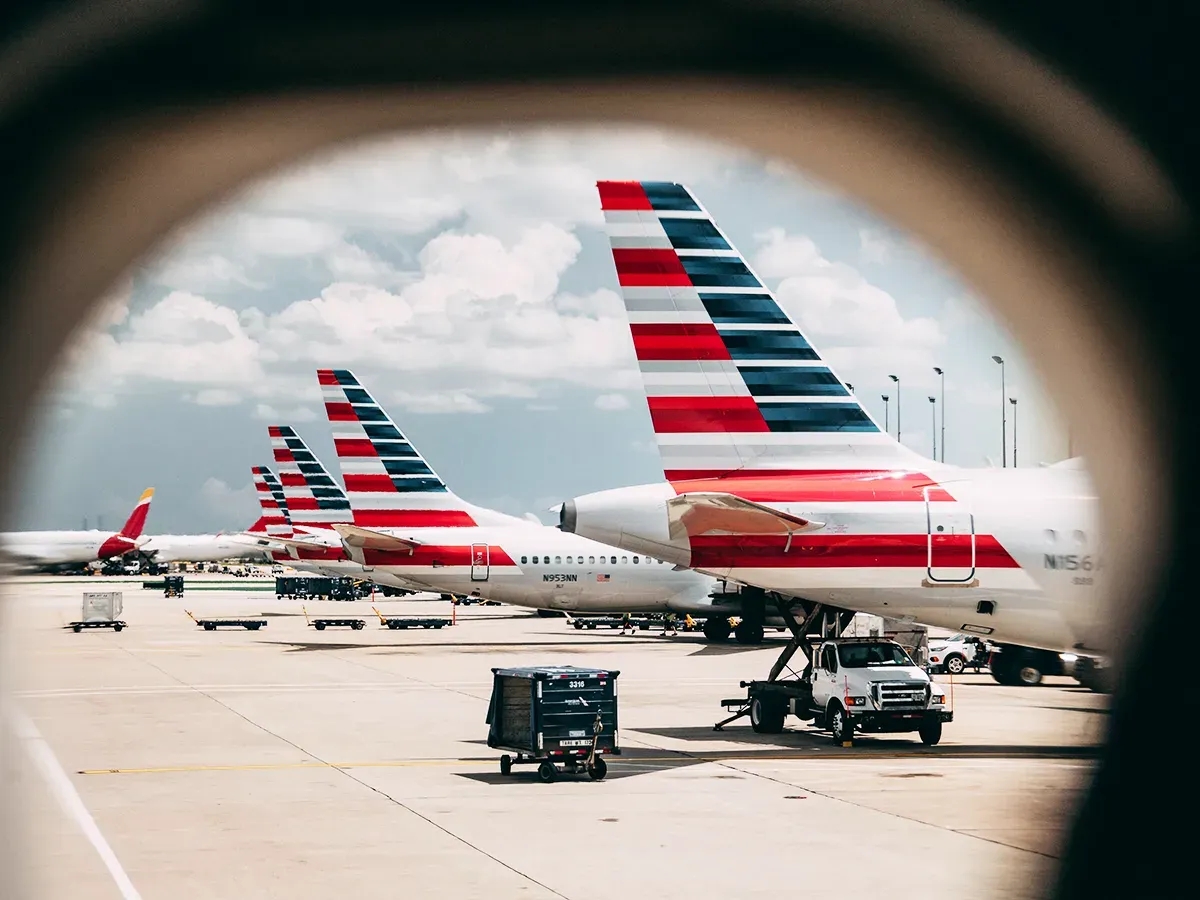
[567, 517]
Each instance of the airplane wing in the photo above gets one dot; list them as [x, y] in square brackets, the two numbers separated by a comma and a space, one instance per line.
[702, 512]
[282, 543]
[367, 539]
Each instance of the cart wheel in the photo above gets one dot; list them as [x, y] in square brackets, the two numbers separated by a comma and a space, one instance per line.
[77, 628]
[598, 769]
[320, 626]
[505, 764]
[358, 626]
[118, 627]
[392, 625]
[579, 626]
[437, 626]
[547, 773]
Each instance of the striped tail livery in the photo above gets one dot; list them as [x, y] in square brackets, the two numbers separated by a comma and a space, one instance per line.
[274, 520]
[777, 478]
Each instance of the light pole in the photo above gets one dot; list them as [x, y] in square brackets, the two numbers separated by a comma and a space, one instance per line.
[1003, 415]
[886, 425]
[942, 376]
[933, 423]
[1013, 401]
[897, 380]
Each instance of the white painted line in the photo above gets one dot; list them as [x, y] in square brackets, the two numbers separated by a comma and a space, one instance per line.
[48, 764]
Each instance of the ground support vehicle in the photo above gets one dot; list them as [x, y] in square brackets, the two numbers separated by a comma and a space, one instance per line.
[334, 622]
[250, 624]
[402, 622]
[869, 685]
[1014, 665]
[561, 718]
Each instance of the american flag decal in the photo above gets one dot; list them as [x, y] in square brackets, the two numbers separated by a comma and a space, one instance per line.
[602, 578]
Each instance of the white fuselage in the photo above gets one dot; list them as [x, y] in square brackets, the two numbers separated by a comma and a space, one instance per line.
[1010, 554]
[56, 548]
[201, 547]
[525, 564]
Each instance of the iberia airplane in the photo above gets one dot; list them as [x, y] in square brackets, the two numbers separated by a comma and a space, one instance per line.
[779, 480]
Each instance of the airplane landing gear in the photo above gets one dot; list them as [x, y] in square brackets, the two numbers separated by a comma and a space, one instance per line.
[717, 629]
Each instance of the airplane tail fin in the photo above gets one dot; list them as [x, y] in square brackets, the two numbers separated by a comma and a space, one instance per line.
[274, 520]
[313, 498]
[132, 529]
[732, 383]
[389, 484]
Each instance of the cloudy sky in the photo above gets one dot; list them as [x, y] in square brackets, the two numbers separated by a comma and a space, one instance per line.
[466, 279]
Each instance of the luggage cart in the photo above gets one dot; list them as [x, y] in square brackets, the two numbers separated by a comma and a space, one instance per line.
[402, 622]
[334, 622]
[250, 624]
[100, 609]
[561, 718]
[173, 586]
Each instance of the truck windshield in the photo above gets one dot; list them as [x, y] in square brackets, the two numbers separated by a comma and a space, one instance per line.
[859, 656]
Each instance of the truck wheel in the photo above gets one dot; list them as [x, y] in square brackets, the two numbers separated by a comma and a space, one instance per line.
[748, 633]
[716, 629]
[955, 664]
[505, 764]
[767, 715]
[598, 769]
[1029, 674]
[840, 726]
[547, 773]
[931, 732]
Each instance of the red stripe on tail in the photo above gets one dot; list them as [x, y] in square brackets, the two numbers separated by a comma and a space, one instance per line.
[649, 268]
[683, 415]
[678, 341]
[622, 195]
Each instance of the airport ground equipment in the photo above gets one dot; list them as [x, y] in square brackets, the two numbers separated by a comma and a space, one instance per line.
[1014, 665]
[561, 718]
[247, 622]
[173, 586]
[594, 622]
[870, 685]
[334, 622]
[100, 609]
[319, 587]
[402, 622]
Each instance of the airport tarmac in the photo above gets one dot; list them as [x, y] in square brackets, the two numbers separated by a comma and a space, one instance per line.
[294, 763]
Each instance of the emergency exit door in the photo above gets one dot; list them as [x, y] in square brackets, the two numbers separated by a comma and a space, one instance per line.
[950, 541]
[481, 559]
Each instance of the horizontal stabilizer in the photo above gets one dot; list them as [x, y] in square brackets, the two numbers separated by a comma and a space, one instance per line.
[367, 539]
[701, 513]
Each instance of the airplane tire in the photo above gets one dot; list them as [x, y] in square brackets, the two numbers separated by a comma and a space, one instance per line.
[716, 629]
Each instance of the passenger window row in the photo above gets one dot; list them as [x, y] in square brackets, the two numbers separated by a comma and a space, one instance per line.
[591, 560]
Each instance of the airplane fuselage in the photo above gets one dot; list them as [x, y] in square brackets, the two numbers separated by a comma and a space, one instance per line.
[55, 548]
[1012, 554]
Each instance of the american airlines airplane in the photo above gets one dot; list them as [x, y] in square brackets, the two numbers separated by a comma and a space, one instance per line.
[408, 524]
[41, 550]
[779, 480]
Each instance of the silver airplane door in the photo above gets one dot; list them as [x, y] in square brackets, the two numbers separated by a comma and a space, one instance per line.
[481, 562]
[950, 540]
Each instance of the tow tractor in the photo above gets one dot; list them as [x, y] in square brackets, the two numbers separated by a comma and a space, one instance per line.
[869, 685]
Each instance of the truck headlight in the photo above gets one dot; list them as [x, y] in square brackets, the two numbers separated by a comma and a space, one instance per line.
[856, 701]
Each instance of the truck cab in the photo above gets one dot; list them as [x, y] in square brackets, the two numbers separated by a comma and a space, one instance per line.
[869, 685]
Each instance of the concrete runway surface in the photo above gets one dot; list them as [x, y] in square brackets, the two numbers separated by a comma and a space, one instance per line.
[293, 763]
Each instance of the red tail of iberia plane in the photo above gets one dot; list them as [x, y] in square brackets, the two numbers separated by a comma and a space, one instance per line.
[130, 536]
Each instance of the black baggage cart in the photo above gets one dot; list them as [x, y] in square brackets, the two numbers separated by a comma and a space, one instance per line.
[554, 715]
[173, 586]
